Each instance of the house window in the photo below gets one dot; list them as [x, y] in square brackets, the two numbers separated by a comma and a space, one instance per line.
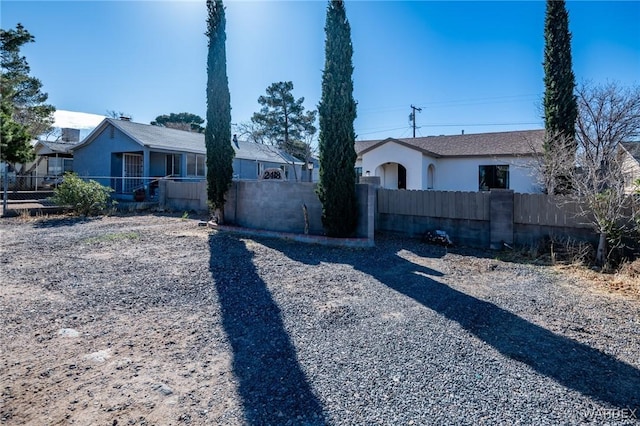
[195, 165]
[431, 171]
[57, 166]
[358, 174]
[490, 177]
[172, 165]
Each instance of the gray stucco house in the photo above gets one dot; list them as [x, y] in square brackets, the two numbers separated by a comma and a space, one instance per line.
[127, 156]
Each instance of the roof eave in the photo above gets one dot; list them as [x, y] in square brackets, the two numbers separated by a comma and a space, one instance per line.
[399, 142]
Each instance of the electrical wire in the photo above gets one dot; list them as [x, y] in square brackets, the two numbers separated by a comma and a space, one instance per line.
[458, 102]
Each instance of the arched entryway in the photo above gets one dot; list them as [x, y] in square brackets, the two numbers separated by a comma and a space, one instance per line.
[392, 175]
[402, 177]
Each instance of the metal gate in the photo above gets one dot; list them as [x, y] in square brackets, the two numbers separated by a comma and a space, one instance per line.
[132, 169]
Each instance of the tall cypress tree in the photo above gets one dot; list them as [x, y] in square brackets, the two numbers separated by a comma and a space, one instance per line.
[560, 104]
[337, 111]
[217, 134]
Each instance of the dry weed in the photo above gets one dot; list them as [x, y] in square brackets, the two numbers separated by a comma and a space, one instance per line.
[626, 281]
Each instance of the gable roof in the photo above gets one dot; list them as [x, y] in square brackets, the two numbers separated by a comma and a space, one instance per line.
[260, 152]
[51, 148]
[633, 148]
[516, 143]
[164, 138]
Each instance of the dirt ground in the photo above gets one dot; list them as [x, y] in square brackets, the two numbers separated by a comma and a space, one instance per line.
[88, 333]
[112, 321]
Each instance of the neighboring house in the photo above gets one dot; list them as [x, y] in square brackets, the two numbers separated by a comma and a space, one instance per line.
[53, 159]
[631, 164]
[252, 159]
[466, 162]
[127, 156]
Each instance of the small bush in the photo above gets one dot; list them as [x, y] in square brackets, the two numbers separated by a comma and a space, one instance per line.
[83, 197]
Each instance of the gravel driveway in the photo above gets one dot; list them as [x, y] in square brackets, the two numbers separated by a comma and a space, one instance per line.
[156, 320]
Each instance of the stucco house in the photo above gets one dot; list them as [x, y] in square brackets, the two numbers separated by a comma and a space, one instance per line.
[630, 153]
[466, 162]
[127, 155]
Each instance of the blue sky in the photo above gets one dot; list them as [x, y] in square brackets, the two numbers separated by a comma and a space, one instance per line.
[473, 66]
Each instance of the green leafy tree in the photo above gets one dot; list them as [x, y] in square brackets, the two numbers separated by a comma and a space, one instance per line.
[22, 91]
[560, 104]
[283, 121]
[181, 121]
[217, 134]
[337, 109]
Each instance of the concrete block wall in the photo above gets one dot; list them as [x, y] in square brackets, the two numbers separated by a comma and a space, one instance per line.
[473, 233]
[274, 206]
[278, 206]
[526, 235]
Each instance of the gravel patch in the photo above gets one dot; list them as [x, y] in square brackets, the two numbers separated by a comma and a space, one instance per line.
[156, 320]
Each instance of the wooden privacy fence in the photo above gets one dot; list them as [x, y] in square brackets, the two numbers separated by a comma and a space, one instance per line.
[529, 209]
[547, 210]
[444, 204]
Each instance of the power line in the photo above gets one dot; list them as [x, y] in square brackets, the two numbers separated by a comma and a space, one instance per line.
[379, 130]
[479, 124]
[406, 128]
[482, 100]
[456, 102]
[403, 133]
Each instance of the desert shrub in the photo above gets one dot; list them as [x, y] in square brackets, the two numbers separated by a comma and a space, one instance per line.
[83, 197]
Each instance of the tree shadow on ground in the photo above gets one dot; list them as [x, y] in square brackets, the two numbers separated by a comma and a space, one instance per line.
[574, 365]
[271, 383]
[62, 221]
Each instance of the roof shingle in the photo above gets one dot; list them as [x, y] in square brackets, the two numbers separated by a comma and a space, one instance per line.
[165, 138]
[523, 142]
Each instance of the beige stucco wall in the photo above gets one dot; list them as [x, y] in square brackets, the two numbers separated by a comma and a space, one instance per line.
[631, 169]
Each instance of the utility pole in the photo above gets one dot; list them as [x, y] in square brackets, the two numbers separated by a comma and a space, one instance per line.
[412, 117]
